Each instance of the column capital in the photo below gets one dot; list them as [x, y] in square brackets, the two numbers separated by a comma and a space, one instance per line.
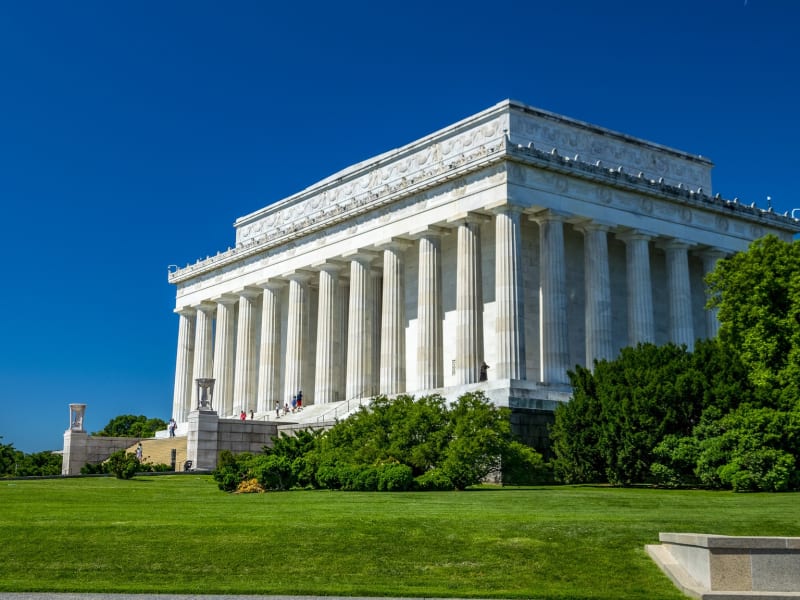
[249, 292]
[468, 218]
[635, 234]
[584, 225]
[273, 285]
[428, 231]
[504, 207]
[711, 253]
[394, 244]
[329, 266]
[185, 311]
[226, 299]
[206, 307]
[299, 275]
[361, 255]
[549, 216]
[675, 244]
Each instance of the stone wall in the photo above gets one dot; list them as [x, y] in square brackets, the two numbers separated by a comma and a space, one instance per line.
[81, 448]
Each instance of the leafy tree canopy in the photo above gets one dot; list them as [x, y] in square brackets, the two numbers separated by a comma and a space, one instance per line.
[132, 426]
[15, 463]
[757, 294]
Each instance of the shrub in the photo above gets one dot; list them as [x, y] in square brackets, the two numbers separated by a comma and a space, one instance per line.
[764, 469]
[366, 479]
[328, 477]
[229, 472]
[249, 486]
[273, 472]
[675, 461]
[123, 465]
[394, 477]
[433, 480]
[522, 465]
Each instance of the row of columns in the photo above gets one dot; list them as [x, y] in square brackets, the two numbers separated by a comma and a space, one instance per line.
[373, 347]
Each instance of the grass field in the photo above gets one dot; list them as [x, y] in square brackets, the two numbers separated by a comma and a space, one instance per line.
[180, 534]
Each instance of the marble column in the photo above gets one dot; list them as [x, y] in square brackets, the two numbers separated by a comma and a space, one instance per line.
[681, 326]
[710, 259]
[224, 355]
[340, 343]
[203, 349]
[374, 319]
[597, 282]
[359, 335]
[510, 318]
[554, 340]
[296, 325]
[184, 382]
[469, 303]
[327, 317]
[641, 326]
[393, 320]
[269, 356]
[430, 355]
[244, 378]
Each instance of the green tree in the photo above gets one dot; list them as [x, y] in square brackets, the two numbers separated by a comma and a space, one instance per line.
[39, 464]
[629, 405]
[757, 294]
[479, 433]
[630, 413]
[123, 465]
[132, 426]
[10, 457]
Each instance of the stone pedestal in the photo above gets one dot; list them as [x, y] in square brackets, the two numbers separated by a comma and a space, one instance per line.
[75, 452]
[201, 439]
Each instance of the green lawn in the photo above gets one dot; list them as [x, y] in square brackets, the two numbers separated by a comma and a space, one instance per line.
[180, 534]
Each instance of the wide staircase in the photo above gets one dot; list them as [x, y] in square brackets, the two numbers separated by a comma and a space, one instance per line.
[318, 414]
[159, 450]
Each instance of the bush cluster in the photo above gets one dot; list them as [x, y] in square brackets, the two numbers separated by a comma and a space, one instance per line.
[123, 465]
[394, 445]
[674, 418]
[15, 463]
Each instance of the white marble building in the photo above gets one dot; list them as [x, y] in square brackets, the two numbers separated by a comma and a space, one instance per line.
[517, 237]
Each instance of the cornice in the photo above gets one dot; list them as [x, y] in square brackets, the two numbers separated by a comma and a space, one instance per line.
[616, 177]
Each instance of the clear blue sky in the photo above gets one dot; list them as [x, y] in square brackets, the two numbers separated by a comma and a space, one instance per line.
[133, 134]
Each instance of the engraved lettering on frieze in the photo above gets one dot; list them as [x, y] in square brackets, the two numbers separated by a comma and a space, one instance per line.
[756, 231]
[721, 223]
[686, 214]
[646, 205]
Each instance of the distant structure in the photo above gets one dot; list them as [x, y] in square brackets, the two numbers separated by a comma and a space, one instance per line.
[492, 255]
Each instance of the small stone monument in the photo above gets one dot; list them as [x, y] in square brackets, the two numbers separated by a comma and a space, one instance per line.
[202, 426]
[205, 393]
[76, 412]
[75, 441]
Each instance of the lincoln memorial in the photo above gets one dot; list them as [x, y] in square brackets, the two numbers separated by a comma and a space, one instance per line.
[494, 255]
